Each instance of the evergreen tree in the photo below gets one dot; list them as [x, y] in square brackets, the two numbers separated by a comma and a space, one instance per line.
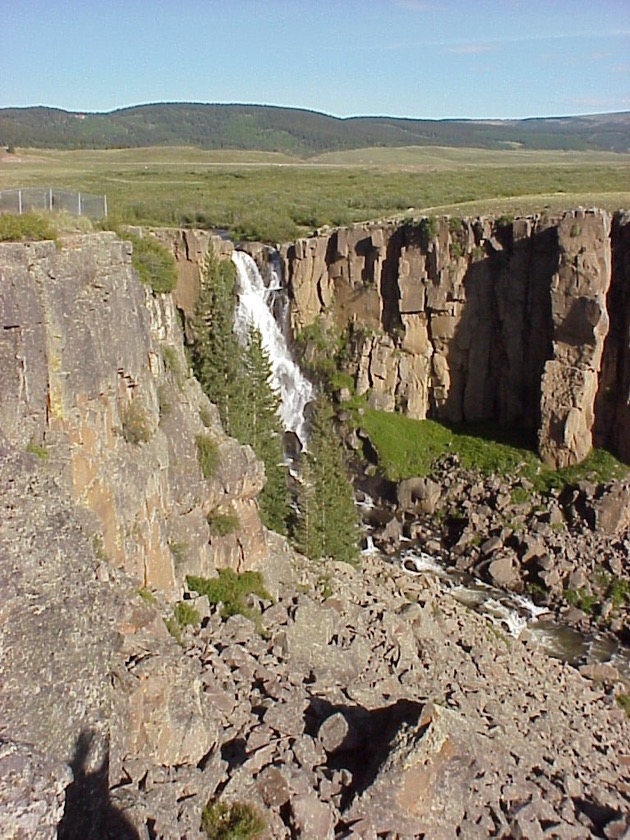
[237, 380]
[216, 352]
[259, 425]
[327, 522]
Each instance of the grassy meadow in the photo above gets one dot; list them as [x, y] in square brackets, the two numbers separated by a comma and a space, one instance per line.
[275, 197]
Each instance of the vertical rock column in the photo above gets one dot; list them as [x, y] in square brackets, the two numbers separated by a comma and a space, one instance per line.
[580, 325]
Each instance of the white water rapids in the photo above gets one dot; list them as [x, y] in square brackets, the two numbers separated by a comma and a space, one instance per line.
[254, 310]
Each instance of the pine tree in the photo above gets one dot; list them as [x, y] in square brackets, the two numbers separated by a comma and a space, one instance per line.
[258, 424]
[216, 352]
[327, 522]
[237, 380]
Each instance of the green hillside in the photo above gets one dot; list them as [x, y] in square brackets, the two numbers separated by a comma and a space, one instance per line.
[297, 132]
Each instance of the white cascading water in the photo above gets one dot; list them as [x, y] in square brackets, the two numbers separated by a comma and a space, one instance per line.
[254, 310]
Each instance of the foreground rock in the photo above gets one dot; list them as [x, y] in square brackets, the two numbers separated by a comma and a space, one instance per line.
[371, 703]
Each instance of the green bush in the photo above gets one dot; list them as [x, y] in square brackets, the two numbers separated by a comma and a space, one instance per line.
[222, 524]
[207, 454]
[428, 230]
[581, 599]
[185, 614]
[233, 821]
[153, 262]
[230, 589]
[26, 227]
[135, 424]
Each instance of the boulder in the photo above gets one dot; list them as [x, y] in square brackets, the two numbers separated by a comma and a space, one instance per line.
[418, 495]
[612, 509]
[423, 785]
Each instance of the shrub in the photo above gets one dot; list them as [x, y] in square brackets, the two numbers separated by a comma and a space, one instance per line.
[222, 524]
[171, 363]
[135, 424]
[207, 454]
[233, 821]
[185, 614]
[428, 230]
[26, 227]
[153, 262]
[230, 589]
[205, 415]
[581, 599]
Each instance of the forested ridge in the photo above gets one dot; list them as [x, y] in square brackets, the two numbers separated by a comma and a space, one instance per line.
[296, 131]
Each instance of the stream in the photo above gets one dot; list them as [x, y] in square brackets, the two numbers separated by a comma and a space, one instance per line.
[514, 614]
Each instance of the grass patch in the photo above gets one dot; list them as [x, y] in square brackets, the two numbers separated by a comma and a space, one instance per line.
[233, 190]
[28, 227]
[623, 701]
[233, 821]
[410, 447]
[153, 262]
[147, 595]
[581, 599]
[230, 589]
[207, 454]
[37, 449]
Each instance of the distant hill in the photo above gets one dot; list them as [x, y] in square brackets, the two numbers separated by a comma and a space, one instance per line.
[297, 132]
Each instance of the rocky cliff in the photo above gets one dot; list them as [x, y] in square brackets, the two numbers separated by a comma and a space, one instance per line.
[522, 321]
[103, 500]
[94, 379]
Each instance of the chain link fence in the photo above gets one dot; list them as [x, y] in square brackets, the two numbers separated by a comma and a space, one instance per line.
[52, 198]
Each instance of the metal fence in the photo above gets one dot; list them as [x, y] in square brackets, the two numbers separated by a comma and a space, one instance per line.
[52, 198]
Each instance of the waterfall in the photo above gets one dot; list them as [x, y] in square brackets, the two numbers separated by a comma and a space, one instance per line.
[255, 308]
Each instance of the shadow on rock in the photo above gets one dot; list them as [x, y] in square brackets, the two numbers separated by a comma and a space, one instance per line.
[358, 739]
[89, 813]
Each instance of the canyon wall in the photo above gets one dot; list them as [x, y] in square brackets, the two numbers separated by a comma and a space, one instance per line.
[94, 380]
[523, 321]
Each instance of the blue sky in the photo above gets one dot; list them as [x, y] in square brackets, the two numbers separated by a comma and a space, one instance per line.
[415, 58]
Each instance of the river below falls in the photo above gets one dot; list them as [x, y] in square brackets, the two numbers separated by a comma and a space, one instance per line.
[514, 614]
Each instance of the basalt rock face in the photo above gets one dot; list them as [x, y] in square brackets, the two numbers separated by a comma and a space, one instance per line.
[474, 319]
[93, 377]
[102, 499]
